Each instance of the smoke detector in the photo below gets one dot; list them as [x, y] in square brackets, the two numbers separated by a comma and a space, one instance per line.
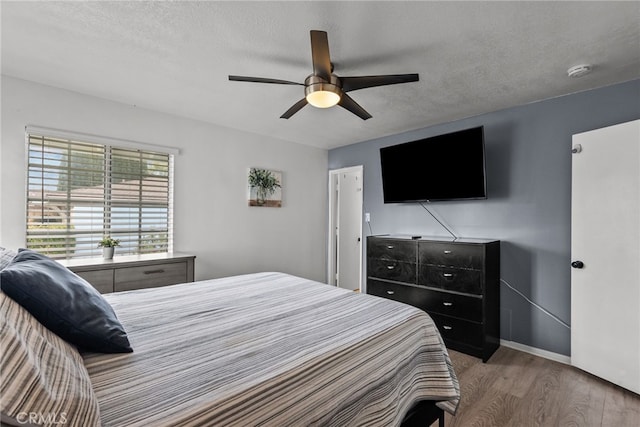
[579, 70]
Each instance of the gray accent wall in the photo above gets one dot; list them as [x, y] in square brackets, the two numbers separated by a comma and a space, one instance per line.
[528, 158]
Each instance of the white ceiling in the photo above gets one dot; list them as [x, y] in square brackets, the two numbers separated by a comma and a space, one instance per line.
[175, 57]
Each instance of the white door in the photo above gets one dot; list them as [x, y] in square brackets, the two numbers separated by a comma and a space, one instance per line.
[345, 240]
[605, 250]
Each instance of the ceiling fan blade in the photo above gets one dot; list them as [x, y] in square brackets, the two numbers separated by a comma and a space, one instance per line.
[320, 54]
[294, 109]
[355, 83]
[262, 80]
[348, 103]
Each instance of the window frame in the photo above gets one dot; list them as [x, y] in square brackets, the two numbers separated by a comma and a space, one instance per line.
[155, 194]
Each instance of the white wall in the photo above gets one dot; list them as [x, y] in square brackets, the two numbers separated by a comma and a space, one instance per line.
[212, 219]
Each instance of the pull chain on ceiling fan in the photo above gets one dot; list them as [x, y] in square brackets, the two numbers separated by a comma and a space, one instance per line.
[324, 89]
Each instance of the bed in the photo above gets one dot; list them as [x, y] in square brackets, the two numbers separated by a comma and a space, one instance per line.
[264, 349]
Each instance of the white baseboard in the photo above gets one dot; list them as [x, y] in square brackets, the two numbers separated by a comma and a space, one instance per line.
[537, 352]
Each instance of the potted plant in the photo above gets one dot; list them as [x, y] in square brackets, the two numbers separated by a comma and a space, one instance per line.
[108, 246]
[265, 183]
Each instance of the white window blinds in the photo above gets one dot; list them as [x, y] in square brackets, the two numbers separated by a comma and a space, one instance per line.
[78, 192]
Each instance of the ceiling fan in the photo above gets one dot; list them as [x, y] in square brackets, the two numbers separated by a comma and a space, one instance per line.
[324, 89]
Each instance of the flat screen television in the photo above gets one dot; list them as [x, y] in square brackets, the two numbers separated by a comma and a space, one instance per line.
[443, 167]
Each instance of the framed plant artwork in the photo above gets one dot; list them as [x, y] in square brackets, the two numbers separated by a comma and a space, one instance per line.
[265, 188]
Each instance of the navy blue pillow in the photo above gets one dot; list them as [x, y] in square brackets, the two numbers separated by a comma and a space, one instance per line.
[64, 302]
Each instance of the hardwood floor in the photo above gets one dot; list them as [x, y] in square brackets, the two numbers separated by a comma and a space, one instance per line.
[518, 389]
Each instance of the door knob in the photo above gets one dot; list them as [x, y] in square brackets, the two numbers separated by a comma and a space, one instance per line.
[577, 264]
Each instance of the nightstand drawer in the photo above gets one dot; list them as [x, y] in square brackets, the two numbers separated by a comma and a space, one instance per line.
[460, 306]
[102, 280]
[127, 272]
[150, 276]
[392, 270]
[451, 329]
[451, 279]
[389, 249]
[451, 254]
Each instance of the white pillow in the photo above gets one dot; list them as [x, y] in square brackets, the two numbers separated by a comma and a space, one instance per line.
[6, 255]
[43, 380]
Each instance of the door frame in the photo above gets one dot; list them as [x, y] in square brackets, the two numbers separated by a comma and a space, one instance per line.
[333, 211]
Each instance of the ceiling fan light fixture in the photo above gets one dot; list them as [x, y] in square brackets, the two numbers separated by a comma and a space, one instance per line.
[323, 89]
[323, 98]
[321, 94]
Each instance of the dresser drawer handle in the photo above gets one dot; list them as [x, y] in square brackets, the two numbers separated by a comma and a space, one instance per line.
[447, 252]
[390, 292]
[154, 271]
[390, 267]
[447, 304]
[447, 327]
[447, 274]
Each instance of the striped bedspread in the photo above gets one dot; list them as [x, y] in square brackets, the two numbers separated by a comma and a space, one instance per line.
[269, 349]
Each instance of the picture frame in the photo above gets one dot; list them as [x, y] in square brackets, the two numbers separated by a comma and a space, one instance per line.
[264, 188]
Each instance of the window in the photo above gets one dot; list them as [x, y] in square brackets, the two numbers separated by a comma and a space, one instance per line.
[78, 192]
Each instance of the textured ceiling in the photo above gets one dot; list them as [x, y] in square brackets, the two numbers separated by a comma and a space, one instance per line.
[175, 57]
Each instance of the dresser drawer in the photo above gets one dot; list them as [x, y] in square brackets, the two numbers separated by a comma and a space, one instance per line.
[389, 249]
[392, 270]
[452, 255]
[393, 291]
[149, 276]
[102, 280]
[462, 331]
[451, 279]
[460, 306]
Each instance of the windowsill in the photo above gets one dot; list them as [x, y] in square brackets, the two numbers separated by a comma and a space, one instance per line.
[122, 260]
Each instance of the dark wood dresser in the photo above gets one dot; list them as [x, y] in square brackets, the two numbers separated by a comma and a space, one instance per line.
[456, 282]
